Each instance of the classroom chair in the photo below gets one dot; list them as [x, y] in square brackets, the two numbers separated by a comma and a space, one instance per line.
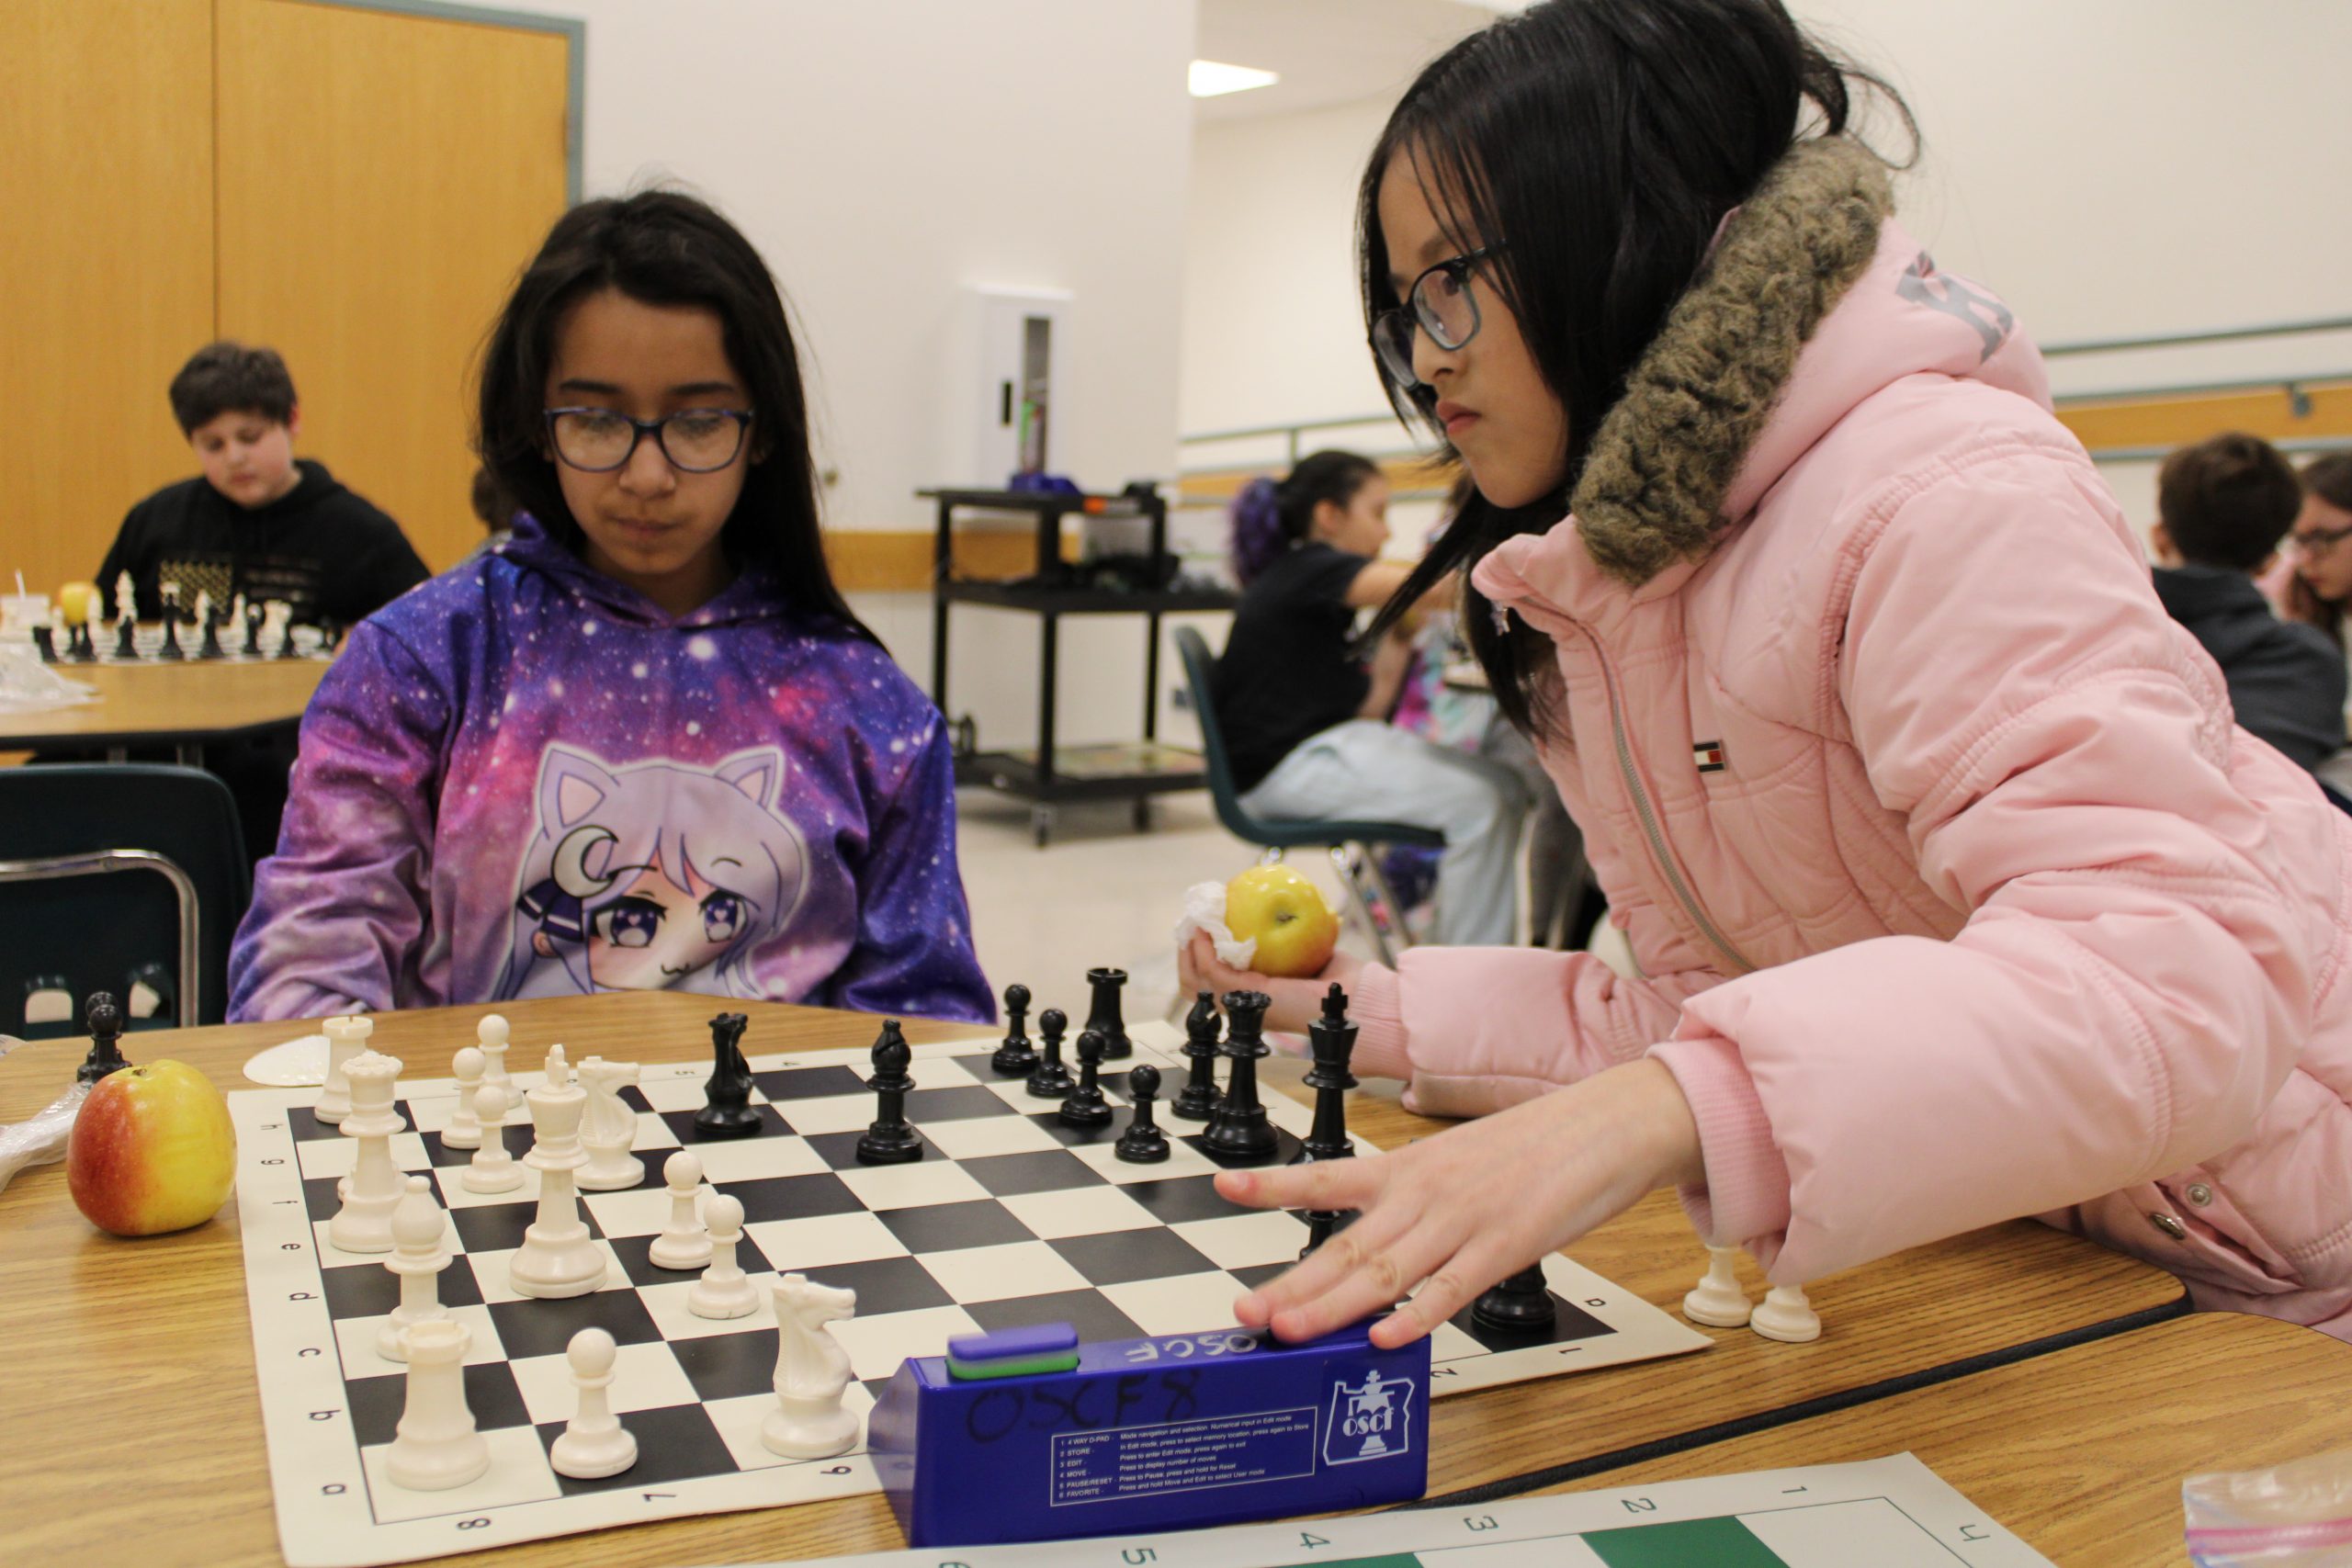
[1371, 902]
[70, 925]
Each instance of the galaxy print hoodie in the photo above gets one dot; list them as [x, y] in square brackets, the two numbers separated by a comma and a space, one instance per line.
[524, 778]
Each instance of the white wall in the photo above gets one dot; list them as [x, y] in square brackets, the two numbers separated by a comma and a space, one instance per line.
[885, 153]
[2112, 168]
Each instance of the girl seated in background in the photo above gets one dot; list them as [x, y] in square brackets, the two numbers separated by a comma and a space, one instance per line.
[1953, 895]
[1305, 720]
[644, 744]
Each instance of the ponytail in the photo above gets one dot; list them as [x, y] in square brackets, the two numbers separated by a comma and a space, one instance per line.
[1269, 518]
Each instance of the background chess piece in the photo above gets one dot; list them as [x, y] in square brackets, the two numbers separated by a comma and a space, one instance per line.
[726, 1110]
[1105, 1018]
[103, 1018]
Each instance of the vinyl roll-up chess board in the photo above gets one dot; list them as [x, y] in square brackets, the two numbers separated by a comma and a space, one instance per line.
[1010, 1219]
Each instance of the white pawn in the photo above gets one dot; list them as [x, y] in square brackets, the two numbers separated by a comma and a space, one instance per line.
[493, 1169]
[437, 1446]
[685, 1242]
[1717, 1300]
[490, 1033]
[1787, 1316]
[464, 1130]
[594, 1443]
[417, 1260]
[724, 1290]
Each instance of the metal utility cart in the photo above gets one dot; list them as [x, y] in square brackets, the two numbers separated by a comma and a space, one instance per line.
[1131, 771]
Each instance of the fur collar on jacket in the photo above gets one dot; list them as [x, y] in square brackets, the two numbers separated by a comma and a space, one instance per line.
[1666, 453]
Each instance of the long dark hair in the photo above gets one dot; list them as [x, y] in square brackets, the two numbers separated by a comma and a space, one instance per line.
[1600, 143]
[1269, 518]
[665, 248]
[2330, 478]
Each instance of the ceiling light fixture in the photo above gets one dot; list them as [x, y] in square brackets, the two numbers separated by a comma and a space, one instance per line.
[1211, 79]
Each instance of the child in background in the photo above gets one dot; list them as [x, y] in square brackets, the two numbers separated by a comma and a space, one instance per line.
[2222, 505]
[257, 521]
[1305, 720]
[1953, 894]
[2321, 579]
[645, 744]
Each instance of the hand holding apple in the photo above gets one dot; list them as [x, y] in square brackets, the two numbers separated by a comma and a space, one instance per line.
[1295, 930]
[152, 1151]
[1297, 1003]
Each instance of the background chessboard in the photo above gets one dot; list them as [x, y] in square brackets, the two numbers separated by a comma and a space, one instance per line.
[1010, 1219]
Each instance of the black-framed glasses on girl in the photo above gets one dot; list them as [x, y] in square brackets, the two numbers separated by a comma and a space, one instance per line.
[696, 441]
[2314, 544]
[1441, 304]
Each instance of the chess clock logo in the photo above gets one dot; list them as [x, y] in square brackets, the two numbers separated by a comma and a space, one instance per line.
[1371, 1420]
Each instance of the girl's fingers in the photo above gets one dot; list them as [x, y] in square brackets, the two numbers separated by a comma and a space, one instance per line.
[1450, 1286]
[1325, 1184]
[1373, 1275]
[1323, 1270]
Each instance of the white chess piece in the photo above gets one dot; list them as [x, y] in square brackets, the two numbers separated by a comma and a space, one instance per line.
[490, 1034]
[811, 1371]
[594, 1443]
[126, 598]
[685, 1242]
[437, 1446]
[464, 1130]
[493, 1169]
[417, 1260]
[558, 1257]
[1787, 1316]
[1717, 1300]
[609, 1128]
[364, 1223]
[346, 1037]
[724, 1290]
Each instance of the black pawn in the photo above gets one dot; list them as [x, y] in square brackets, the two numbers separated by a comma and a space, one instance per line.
[125, 642]
[1086, 1107]
[726, 1110]
[79, 646]
[1050, 1080]
[1015, 1059]
[254, 618]
[171, 649]
[1518, 1305]
[1198, 1096]
[287, 650]
[210, 646]
[892, 1139]
[103, 1019]
[1105, 1018]
[45, 639]
[1239, 1132]
[1143, 1143]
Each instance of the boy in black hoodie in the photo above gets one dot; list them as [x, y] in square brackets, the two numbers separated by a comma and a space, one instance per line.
[2222, 506]
[257, 522]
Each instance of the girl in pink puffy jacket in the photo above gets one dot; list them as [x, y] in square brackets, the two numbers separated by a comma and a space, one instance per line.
[1954, 893]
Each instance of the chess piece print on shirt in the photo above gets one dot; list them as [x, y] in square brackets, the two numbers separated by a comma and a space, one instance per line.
[1104, 1018]
[1049, 1079]
[811, 1371]
[727, 1111]
[890, 1139]
[1014, 1058]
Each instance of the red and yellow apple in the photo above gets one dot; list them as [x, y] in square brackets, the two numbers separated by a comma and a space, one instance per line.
[152, 1151]
[1294, 929]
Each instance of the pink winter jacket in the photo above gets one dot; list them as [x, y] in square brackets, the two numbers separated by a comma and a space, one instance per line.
[1956, 893]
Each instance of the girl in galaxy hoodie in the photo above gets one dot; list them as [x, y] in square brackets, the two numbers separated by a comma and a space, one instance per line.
[645, 744]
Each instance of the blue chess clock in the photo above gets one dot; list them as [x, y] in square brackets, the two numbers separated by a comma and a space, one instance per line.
[1172, 1432]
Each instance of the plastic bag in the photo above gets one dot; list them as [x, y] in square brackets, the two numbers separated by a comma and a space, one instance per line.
[42, 1139]
[2297, 1514]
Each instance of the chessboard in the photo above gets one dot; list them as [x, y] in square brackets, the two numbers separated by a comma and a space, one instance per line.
[1010, 1219]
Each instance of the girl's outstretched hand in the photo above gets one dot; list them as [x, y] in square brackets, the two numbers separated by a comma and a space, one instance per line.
[1298, 1003]
[1471, 1206]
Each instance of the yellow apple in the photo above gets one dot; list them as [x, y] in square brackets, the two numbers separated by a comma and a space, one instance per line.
[1296, 930]
[152, 1151]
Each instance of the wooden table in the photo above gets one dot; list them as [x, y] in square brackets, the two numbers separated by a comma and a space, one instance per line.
[131, 1415]
[185, 706]
[2081, 1453]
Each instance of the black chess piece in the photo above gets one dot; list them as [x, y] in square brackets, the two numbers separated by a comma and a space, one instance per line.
[1198, 1096]
[126, 644]
[45, 639]
[1516, 1305]
[891, 1139]
[1086, 1107]
[1143, 1143]
[1103, 1018]
[1014, 1058]
[103, 1019]
[79, 646]
[1332, 1039]
[1050, 1080]
[210, 646]
[287, 650]
[1239, 1132]
[727, 1111]
[254, 618]
[171, 649]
